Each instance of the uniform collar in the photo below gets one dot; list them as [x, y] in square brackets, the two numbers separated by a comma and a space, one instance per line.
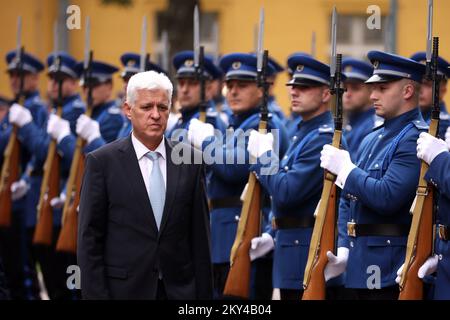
[315, 122]
[101, 107]
[402, 120]
[31, 94]
[187, 114]
[237, 119]
[354, 117]
[71, 98]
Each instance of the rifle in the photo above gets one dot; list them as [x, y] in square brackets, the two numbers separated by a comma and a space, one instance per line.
[199, 64]
[11, 156]
[238, 280]
[323, 236]
[420, 239]
[67, 240]
[43, 233]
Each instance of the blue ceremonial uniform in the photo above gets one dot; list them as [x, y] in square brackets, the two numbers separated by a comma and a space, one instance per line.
[107, 114]
[228, 180]
[229, 174]
[182, 125]
[29, 163]
[296, 182]
[110, 120]
[291, 123]
[15, 245]
[374, 218]
[183, 62]
[295, 191]
[359, 125]
[380, 191]
[439, 175]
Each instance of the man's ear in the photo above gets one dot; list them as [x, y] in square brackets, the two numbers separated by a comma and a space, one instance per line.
[127, 110]
[408, 91]
[260, 92]
[326, 95]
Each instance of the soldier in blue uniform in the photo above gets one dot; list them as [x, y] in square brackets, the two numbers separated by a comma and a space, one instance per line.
[16, 248]
[435, 152]
[188, 93]
[228, 178]
[104, 124]
[131, 63]
[106, 120]
[426, 93]
[54, 264]
[377, 191]
[296, 185]
[358, 111]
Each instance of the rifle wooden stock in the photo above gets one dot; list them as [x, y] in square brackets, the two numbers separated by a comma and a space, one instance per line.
[412, 289]
[249, 227]
[10, 174]
[67, 240]
[420, 238]
[43, 233]
[323, 236]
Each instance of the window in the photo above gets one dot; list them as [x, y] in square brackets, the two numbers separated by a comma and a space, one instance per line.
[209, 38]
[355, 39]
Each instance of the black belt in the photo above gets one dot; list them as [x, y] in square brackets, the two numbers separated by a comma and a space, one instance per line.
[36, 172]
[388, 230]
[444, 232]
[229, 202]
[293, 222]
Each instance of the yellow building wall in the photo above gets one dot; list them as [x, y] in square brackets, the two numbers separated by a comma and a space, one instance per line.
[289, 25]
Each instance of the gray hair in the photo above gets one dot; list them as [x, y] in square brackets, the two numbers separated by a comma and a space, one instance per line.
[148, 80]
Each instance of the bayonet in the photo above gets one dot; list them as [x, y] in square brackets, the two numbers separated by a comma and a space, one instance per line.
[196, 37]
[143, 62]
[260, 48]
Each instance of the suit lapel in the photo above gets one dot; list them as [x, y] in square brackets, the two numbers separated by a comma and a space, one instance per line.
[173, 172]
[134, 175]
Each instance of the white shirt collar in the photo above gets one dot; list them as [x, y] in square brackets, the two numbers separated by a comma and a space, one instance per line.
[141, 150]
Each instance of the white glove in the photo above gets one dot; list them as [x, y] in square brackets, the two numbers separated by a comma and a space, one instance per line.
[338, 162]
[336, 264]
[447, 137]
[198, 132]
[429, 266]
[428, 147]
[259, 143]
[57, 127]
[260, 246]
[19, 189]
[19, 115]
[87, 128]
[58, 202]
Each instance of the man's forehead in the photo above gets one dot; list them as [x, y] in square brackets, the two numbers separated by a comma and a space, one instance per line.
[156, 95]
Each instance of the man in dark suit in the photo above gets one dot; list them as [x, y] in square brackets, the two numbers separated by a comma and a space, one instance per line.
[143, 219]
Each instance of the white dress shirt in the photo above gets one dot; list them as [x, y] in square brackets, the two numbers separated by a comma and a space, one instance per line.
[145, 164]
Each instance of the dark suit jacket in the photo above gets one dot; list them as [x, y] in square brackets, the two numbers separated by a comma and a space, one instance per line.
[120, 251]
